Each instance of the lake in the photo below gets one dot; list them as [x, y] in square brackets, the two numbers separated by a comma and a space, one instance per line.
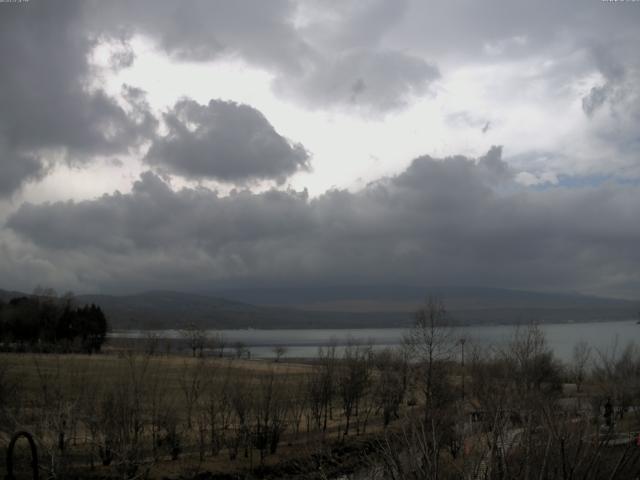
[304, 343]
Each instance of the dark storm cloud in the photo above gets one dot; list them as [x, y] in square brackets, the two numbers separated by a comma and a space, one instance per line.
[224, 141]
[46, 103]
[204, 30]
[154, 217]
[18, 168]
[319, 69]
[351, 66]
[440, 221]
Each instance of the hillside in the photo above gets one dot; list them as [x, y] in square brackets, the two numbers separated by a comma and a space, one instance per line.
[411, 295]
[168, 310]
[467, 305]
[347, 307]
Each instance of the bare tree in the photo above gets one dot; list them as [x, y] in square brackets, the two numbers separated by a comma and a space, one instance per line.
[431, 341]
[171, 439]
[391, 383]
[61, 393]
[327, 381]
[353, 379]
[528, 433]
[218, 408]
[192, 384]
[158, 402]
[152, 343]
[122, 419]
[218, 344]
[315, 392]
[535, 378]
[300, 403]
[271, 406]
[580, 360]
[279, 351]
[241, 404]
[617, 376]
[240, 348]
[196, 338]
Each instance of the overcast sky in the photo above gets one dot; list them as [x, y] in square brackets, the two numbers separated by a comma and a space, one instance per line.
[196, 145]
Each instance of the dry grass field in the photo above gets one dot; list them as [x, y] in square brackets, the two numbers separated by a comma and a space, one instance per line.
[173, 415]
[128, 414]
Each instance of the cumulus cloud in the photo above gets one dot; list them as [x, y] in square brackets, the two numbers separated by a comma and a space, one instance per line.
[224, 141]
[441, 221]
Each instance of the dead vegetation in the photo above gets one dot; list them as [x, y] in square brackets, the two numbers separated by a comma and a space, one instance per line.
[416, 412]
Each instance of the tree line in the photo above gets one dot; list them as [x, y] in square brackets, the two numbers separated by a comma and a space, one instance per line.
[45, 322]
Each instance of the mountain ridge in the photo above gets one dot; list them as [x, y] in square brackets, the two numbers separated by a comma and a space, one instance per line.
[346, 307]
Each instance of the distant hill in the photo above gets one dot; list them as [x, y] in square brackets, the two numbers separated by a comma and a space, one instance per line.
[170, 310]
[465, 304]
[6, 295]
[455, 297]
[346, 307]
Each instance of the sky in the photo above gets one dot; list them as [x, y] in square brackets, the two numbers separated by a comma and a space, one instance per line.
[200, 145]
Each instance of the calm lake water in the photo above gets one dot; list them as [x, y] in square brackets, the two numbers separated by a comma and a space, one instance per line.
[304, 343]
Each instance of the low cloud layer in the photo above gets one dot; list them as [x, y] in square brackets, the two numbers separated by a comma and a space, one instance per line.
[224, 141]
[442, 221]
